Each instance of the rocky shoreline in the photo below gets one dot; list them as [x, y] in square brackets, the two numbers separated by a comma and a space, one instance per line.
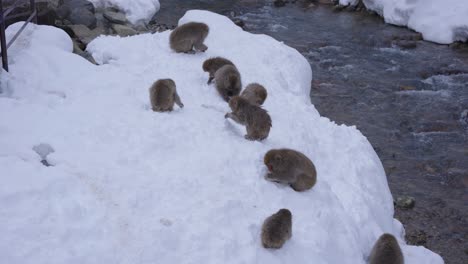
[422, 219]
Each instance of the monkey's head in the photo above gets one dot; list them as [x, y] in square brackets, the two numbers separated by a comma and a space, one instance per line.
[388, 238]
[285, 213]
[207, 65]
[274, 160]
[236, 102]
[261, 95]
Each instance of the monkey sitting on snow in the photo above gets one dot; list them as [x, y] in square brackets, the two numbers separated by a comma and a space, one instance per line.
[211, 65]
[277, 229]
[290, 167]
[190, 36]
[163, 95]
[386, 251]
[256, 119]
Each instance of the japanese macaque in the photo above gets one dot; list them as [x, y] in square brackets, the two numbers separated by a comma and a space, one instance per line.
[189, 37]
[211, 65]
[277, 229]
[163, 95]
[386, 251]
[290, 167]
[256, 119]
[228, 81]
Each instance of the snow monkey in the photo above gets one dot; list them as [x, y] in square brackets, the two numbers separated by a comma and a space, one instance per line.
[228, 81]
[163, 95]
[186, 37]
[256, 119]
[276, 229]
[386, 251]
[255, 93]
[211, 65]
[290, 167]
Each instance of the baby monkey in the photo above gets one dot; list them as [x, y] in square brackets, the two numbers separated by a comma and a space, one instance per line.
[255, 93]
[277, 229]
[211, 65]
[290, 167]
[386, 251]
[163, 95]
[190, 36]
[256, 119]
[228, 81]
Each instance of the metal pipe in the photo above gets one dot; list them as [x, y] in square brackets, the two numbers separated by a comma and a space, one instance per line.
[3, 39]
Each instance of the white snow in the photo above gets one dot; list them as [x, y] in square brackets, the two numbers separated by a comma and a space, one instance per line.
[137, 11]
[440, 21]
[129, 185]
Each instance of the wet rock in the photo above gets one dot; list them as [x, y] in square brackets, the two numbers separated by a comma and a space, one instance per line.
[405, 202]
[77, 50]
[326, 2]
[407, 88]
[123, 30]
[339, 8]
[239, 22]
[83, 17]
[83, 33]
[78, 4]
[406, 44]
[279, 3]
[115, 17]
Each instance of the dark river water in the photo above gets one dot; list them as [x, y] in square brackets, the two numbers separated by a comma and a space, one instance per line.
[408, 96]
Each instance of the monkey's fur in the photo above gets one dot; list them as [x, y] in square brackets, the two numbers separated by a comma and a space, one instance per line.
[228, 81]
[386, 251]
[163, 95]
[276, 229]
[190, 36]
[255, 93]
[256, 119]
[211, 65]
[290, 167]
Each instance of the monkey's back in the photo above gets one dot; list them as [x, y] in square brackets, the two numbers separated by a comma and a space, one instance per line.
[258, 121]
[162, 95]
[386, 251]
[211, 65]
[305, 167]
[276, 230]
[228, 81]
[183, 37]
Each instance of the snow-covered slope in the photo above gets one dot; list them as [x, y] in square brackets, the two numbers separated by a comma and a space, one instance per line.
[130, 185]
[441, 21]
[135, 10]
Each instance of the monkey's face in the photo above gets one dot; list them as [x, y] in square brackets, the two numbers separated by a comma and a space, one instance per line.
[234, 103]
[273, 160]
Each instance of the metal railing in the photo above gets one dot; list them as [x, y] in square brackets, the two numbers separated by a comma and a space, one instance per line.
[5, 15]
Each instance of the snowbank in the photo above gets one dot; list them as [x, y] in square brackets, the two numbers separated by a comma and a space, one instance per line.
[136, 10]
[441, 21]
[129, 185]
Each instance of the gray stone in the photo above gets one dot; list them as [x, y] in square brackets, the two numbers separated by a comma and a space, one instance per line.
[405, 202]
[79, 4]
[83, 17]
[115, 17]
[279, 3]
[123, 31]
[83, 33]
